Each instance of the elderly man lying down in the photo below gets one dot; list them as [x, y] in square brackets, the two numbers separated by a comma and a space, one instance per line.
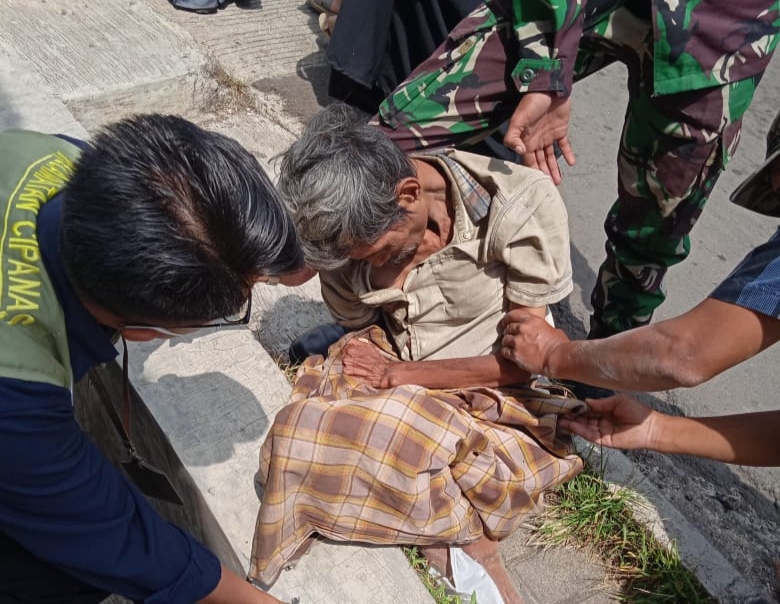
[414, 430]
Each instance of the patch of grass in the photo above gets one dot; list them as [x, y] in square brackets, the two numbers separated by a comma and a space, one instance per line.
[588, 514]
[289, 370]
[435, 587]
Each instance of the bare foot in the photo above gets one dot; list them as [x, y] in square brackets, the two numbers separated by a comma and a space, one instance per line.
[485, 552]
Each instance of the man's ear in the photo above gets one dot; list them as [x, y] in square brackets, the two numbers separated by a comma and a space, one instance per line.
[408, 192]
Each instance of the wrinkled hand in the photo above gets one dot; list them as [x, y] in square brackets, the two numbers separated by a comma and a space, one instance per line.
[619, 421]
[363, 361]
[540, 120]
[529, 341]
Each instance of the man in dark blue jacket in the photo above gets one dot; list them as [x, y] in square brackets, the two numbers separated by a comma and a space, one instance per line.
[157, 228]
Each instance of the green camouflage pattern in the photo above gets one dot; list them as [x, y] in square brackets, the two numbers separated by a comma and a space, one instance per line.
[673, 146]
[469, 70]
[666, 172]
[689, 57]
[534, 23]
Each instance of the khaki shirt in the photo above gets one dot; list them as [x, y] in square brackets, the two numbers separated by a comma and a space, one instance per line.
[510, 244]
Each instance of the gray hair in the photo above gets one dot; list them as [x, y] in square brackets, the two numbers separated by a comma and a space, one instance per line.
[339, 182]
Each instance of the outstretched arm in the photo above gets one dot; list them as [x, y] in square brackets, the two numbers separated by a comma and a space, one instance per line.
[363, 361]
[685, 351]
[624, 423]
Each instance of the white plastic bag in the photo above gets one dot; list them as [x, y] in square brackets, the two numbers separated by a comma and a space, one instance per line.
[470, 577]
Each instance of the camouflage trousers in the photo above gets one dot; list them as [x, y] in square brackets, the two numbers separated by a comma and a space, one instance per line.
[672, 148]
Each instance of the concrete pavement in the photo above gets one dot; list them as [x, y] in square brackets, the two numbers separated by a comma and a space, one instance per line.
[68, 67]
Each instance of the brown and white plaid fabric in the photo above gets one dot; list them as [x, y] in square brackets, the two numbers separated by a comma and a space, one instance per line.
[407, 465]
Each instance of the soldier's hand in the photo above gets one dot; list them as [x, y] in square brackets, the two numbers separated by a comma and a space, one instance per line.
[539, 121]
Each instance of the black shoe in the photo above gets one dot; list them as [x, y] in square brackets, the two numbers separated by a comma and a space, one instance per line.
[315, 341]
[583, 391]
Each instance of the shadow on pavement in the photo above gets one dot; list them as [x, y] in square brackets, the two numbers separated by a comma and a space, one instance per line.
[9, 118]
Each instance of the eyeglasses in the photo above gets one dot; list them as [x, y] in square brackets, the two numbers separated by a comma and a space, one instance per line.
[239, 318]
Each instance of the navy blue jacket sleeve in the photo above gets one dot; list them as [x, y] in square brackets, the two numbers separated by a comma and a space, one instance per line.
[755, 283]
[63, 501]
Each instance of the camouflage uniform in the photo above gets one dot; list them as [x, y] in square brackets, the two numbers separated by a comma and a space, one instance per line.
[689, 87]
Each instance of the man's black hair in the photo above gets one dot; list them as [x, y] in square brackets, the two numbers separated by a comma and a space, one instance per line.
[166, 222]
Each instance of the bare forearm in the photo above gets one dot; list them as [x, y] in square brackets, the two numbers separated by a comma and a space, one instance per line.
[747, 439]
[681, 352]
[489, 370]
[637, 360]
[233, 589]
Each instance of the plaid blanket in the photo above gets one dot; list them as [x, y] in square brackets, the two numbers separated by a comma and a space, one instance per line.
[406, 465]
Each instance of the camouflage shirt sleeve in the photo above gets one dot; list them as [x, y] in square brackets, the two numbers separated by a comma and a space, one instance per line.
[550, 34]
[699, 43]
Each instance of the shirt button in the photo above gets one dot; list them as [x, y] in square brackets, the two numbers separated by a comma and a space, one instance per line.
[527, 75]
